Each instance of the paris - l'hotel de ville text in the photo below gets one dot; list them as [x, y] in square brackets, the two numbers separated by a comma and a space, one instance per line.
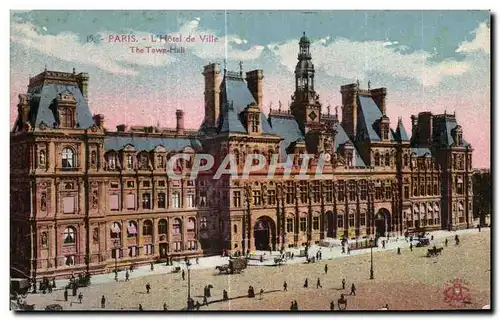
[82, 195]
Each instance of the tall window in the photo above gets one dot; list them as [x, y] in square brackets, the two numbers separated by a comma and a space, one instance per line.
[303, 224]
[289, 192]
[257, 199]
[176, 200]
[289, 225]
[316, 191]
[111, 160]
[316, 223]
[377, 159]
[406, 192]
[160, 162]
[405, 160]
[66, 118]
[362, 219]
[162, 226]
[116, 230]
[146, 200]
[435, 189]
[328, 191]
[128, 162]
[351, 219]
[255, 122]
[341, 190]
[363, 193]
[203, 199]
[460, 186]
[144, 161]
[161, 200]
[69, 235]
[340, 221]
[352, 190]
[204, 223]
[190, 200]
[147, 228]
[68, 160]
[191, 225]
[236, 199]
[131, 229]
[388, 191]
[176, 227]
[271, 197]
[303, 191]
[387, 159]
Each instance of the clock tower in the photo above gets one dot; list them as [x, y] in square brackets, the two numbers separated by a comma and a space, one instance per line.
[305, 104]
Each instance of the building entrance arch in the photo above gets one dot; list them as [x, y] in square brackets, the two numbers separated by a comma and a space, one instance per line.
[264, 233]
[382, 223]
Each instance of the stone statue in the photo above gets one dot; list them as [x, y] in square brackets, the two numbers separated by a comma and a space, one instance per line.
[43, 202]
[44, 239]
[95, 235]
[95, 199]
[42, 158]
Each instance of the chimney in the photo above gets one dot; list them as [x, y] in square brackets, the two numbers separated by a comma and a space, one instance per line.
[254, 84]
[179, 114]
[121, 128]
[99, 120]
[83, 80]
[350, 109]
[424, 128]
[212, 92]
[379, 96]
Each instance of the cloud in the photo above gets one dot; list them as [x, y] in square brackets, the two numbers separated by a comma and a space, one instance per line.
[481, 41]
[226, 45]
[357, 60]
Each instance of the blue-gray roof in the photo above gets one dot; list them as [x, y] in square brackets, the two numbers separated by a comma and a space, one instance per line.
[235, 93]
[342, 138]
[443, 127]
[368, 115]
[420, 152]
[40, 103]
[288, 129]
[149, 143]
[400, 133]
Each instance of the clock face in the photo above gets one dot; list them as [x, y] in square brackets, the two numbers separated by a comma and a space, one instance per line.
[327, 157]
[312, 115]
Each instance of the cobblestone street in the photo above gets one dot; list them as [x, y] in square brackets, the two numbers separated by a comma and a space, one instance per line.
[409, 281]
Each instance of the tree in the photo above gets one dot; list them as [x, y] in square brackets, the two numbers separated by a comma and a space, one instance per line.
[481, 185]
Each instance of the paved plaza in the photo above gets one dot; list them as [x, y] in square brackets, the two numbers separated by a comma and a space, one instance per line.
[409, 281]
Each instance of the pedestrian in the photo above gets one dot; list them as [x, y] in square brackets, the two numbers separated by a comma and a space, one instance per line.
[318, 284]
[54, 283]
[353, 290]
[116, 275]
[50, 288]
[348, 250]
[292, 306]
[183, 275]
[165, 306]
[399, 250]
[432, 237]
[152, 266]
[65, 294]
[127, 275]
[343, 249]
[446, 242]
[292, 255]
[260, 293]
[332, 306]
[197, 260]
[261, 259]
[285, 286]
[80, 297]
[386, 306]
[224, 295]
[306, 283]
[383, 244]
[343, 284]
[205, 300]
[326, 269]
[140, 307]
[296, 307]
[103, 302]
[411, 246]
[148, 287]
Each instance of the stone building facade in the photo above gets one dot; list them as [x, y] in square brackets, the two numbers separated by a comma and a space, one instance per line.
[84, 198]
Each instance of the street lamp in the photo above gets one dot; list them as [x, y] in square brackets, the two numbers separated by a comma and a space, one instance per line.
[188, 264]
[116, 244]
[371, 260]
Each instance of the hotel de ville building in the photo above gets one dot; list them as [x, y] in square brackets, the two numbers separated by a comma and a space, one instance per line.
[84, 197]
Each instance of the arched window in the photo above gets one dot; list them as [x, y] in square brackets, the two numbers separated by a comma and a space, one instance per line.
[147, 228]
[289, 223]
[176, 200]
[111, 160]
[68, 160]
[162, 226]
[116, 230]
[235, 229]
[351, 219]
[377, 159]
[131, 229]
[176, 227]
[69, 235]
[340, 221]
[191, 225]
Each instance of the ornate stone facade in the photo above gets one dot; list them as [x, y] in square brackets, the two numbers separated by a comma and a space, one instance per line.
[84, 198]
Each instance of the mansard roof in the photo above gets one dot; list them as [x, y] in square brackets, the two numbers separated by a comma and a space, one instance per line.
[235, 94]
[287, 128]
[150, 143]
[43, 96]
[368, 115]
[443, 126]
[342, 138]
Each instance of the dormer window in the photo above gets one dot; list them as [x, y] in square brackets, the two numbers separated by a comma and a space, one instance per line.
[457, 135]
[128, 161]
[254, 119]
[63, 108]
[67, 117]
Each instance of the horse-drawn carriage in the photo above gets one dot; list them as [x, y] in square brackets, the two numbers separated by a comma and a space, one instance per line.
[236, 265]
[83, 280]
[433, 252]
[278, 261]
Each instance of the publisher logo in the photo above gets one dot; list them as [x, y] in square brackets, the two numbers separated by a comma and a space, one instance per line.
[457, 292]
